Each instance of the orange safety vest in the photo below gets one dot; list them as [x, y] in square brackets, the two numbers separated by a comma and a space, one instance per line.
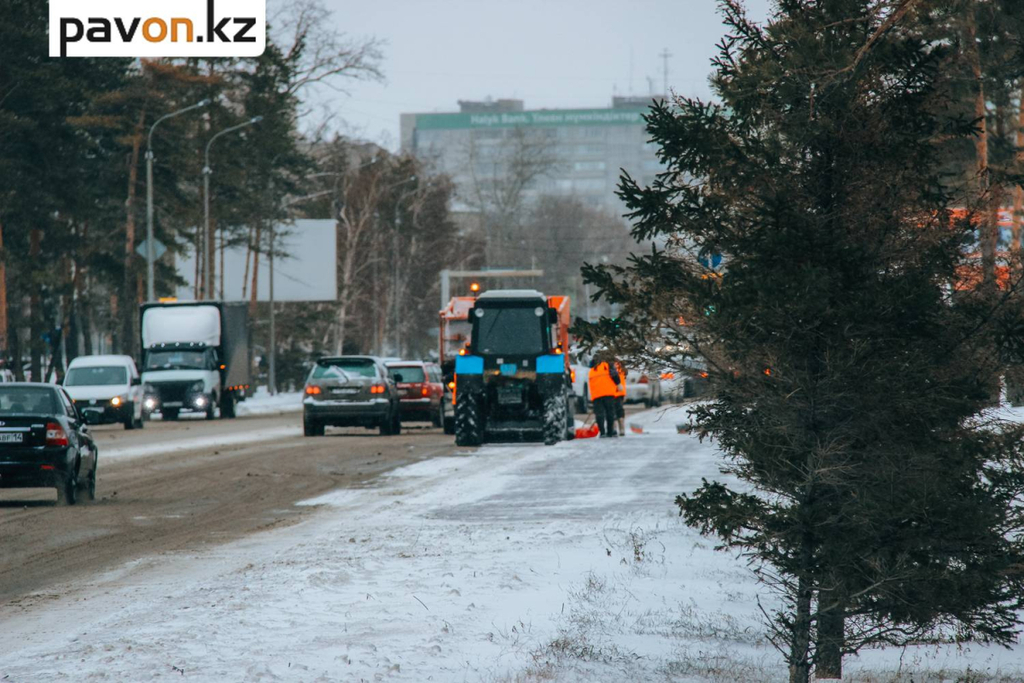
[601, 383]
[620, 389]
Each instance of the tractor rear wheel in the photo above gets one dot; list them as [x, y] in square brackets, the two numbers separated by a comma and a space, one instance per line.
[554, 419]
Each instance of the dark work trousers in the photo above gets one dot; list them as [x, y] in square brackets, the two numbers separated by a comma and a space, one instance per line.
[604, 413]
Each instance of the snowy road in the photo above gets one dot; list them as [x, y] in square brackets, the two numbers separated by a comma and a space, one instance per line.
[175, 487]
[511, 563]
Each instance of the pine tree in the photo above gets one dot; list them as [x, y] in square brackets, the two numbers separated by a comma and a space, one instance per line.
[849, 366]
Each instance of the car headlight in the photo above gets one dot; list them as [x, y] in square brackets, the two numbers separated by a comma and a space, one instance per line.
[197, 387]
[116, 401]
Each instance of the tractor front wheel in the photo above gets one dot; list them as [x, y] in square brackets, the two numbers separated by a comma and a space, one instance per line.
[469, 423]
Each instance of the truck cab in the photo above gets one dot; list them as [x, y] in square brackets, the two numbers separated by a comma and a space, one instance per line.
[195, 357]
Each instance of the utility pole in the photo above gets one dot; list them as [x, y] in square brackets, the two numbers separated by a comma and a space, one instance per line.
[272, 368]
[665, 54]
[209, 256]
[150, 247]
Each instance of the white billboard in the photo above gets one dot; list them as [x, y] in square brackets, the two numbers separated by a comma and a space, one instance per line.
[305, 267]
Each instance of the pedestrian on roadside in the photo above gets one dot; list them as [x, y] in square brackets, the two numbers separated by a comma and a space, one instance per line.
[602, 381]
[620, 396]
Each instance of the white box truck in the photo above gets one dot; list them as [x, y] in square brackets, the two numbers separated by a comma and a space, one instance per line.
[195, 357]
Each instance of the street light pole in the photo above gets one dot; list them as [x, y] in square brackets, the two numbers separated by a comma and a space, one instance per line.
[208, 239]
[150, 247]
[272, 370]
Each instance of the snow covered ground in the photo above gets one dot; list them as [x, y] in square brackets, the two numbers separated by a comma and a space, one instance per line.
[513, 563]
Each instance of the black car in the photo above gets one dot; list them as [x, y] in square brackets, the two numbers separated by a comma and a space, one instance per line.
[350, 391]
[44, 441]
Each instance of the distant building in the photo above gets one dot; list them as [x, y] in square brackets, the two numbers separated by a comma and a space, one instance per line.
[588, 146]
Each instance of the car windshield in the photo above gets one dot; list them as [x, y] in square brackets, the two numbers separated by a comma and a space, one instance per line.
[409, 373]
[34, 400]
[96, 377]
[348, 368]
[509, 331]
[176, 360]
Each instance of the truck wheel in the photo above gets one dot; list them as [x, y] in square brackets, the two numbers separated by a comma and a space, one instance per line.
[170, 414]
[227, 406]
[449, 425]
[469, 423]
[437, 419]
[554, 419]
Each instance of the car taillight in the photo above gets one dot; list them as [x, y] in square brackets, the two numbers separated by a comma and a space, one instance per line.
[426, 390]
[573, 374]
[377, 389]
[668, 375]
[312, 390]
[643, 379]
[55, 435]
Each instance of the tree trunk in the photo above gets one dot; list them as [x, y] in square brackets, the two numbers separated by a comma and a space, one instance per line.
[800, 634]
[15, 341]
[35, 313]
[3, 298]
[129, 312]
[1018, 191]
[988, 229]
[223, 244]
[828, 660]
[248, 255]
[254, 294]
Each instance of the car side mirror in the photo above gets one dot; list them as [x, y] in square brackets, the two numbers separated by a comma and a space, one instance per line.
[136, 381]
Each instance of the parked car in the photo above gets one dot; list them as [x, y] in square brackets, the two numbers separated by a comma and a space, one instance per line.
[107, 390]
[420, 391]
[45, 442]
[579, 366]
[350, 391]
[642, 387]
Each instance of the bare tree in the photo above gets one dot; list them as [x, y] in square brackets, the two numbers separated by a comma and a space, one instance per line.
[500, 178]
[321, 54]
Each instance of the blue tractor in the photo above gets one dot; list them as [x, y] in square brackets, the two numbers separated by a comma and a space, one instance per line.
[513, 381]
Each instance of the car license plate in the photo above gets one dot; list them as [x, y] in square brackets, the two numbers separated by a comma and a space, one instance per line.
[510, 395]
[345, 391]
[17, 437]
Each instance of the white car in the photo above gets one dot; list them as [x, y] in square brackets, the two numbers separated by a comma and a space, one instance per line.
[579, 365]
[106, 389]
[643, 387]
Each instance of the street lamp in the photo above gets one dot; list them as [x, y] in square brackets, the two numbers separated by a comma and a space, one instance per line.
[208, 244]
[150, 247]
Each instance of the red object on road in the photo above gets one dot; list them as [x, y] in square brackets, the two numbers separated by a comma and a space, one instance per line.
[587, 432]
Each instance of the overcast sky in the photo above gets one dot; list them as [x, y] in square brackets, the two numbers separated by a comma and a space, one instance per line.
[549, 53]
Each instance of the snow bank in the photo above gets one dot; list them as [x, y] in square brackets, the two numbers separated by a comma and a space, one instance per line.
[567, 563]
[262, 403]
[109, 453]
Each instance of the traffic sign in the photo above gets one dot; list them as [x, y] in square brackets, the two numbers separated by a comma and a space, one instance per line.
[158, 248]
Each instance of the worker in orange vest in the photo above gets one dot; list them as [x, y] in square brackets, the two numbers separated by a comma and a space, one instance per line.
[602, 381]
[620, 397]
